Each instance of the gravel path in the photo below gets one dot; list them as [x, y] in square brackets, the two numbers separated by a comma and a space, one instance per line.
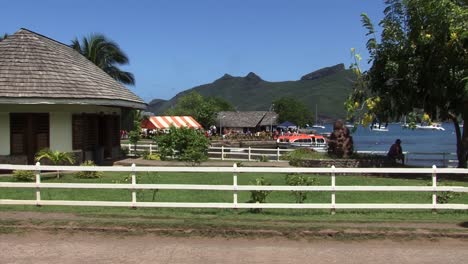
[84, 247]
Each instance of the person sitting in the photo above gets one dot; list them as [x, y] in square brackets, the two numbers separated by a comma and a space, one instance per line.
[396, 152]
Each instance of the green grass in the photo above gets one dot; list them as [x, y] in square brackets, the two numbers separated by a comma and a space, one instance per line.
[226, 196]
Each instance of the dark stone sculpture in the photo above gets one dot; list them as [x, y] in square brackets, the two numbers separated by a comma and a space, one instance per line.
[340, 143]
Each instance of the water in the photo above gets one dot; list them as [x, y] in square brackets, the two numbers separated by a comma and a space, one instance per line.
[413, 141]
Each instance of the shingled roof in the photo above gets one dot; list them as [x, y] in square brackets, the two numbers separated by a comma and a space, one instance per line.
[247, 118]
[35, 69]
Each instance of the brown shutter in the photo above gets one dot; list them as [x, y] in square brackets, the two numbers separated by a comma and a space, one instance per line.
[18, 125]
[77, 131]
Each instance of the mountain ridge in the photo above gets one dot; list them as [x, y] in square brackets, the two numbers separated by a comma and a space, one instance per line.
[327, 88]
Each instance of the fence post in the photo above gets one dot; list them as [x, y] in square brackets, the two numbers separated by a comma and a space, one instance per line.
[434, 186]
[38, 182]
[235, 185]
[151, 149]
[250, 150]
[277, 154]
[133, 186]
[333, 202]
[222, 152]
[129, 149]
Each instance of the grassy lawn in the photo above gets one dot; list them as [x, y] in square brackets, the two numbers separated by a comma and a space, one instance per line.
[223, 216]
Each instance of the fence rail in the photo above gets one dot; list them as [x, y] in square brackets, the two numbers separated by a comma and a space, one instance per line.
[441, 159]
[235, 188]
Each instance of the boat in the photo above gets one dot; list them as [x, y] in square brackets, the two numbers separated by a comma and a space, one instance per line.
[433, 126]
[378, 127]
[317, 125]
[312, 141]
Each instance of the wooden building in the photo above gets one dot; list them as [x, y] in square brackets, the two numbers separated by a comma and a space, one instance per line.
[243, 121]
[53, 97]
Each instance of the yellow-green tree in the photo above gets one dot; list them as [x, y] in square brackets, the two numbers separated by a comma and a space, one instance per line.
[420, 62]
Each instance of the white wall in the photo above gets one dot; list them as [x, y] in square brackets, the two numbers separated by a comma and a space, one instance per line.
[60, 122]
[4, 133]
[60, 131]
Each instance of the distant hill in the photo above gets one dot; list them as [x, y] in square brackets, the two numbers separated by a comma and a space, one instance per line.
[327, 87]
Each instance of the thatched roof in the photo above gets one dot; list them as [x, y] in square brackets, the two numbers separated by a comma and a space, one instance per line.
[247, 118]
[35, 69]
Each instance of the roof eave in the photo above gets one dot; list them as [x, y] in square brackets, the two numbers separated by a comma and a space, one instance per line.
[73, 101]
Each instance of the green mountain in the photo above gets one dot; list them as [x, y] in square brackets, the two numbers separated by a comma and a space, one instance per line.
[327, 88]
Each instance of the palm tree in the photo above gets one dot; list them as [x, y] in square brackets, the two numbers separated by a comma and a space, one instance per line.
[105, 54]
[55, 157]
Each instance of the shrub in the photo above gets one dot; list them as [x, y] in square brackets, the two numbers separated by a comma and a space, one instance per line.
[446, 197]
[55, 157]
[299, 180]
[124, 152]
[183, 144]
[152, 156]
[258, 196]
[24, 176]
[88, 174]
[263, 158]
[296, 156]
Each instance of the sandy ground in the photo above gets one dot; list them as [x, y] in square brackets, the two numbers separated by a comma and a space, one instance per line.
[84, 247]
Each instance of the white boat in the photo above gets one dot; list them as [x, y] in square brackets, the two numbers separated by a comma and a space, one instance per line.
[433, 126]
[378, 127]
[318, 126]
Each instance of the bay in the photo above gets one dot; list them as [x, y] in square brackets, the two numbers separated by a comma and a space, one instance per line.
[432, 144]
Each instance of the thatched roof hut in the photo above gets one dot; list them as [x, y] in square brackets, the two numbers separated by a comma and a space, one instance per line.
[35, 69]
[253, 120]
[53, 97]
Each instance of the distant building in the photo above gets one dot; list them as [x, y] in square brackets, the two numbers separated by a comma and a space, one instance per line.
[53, 97]
[241, 122]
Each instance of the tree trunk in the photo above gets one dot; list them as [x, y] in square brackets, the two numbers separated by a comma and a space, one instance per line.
[462, 141]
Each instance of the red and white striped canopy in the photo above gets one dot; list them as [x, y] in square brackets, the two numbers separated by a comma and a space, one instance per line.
[164, 122]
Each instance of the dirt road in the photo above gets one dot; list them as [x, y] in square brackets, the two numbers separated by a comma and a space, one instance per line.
[83, 247]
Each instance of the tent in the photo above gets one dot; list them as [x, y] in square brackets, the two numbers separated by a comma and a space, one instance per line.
[165, 122]
[287, 124]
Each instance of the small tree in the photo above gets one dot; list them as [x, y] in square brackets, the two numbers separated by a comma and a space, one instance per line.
[259, 196]
[55, 157]
[184, 144]
[134, 135]
[299, 180]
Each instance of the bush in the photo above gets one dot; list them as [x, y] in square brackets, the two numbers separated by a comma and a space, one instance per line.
[258, 196]
[152, 156]
[88, 174]
[296, 156]
[446, 197]
[263, 158]
[183, 144]
[24, 176]
[299, 180]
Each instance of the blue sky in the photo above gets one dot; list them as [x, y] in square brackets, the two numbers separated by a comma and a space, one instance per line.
[174, 45]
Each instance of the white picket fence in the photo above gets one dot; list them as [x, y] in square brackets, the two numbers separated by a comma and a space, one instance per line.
[222, 153]
[441, 159]
[235, 188]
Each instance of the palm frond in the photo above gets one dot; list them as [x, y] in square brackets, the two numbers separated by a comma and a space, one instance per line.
[366, 22]
[106, 54]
